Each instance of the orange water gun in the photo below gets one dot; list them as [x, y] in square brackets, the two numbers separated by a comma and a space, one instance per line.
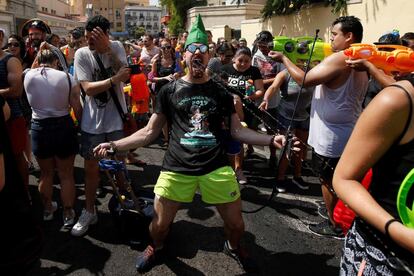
[389, 58]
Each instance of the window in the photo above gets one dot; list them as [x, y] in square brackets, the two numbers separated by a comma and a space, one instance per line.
[119, 24]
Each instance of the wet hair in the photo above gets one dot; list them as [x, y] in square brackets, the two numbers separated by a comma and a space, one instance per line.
[98, 21]
[225, 48]
[243, 51]
[264, 36]
[78, 32]
[21, 44]
[46, 56]
[350, 24]
[406, 37]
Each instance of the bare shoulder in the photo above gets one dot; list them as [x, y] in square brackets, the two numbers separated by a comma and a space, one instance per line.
[393, 97]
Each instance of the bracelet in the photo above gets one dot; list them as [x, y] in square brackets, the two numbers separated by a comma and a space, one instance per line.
[113, 146]
[387, 225]
[110, 81]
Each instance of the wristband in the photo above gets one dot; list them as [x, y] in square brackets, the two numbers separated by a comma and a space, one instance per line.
[113, 146]
[387, 226]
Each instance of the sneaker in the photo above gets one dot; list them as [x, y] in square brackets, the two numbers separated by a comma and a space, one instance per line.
[302, 184]
[48, 214]
[83, 223]
[273, 162]
[242, 258]
[323, 212]
[68, 221]
[326, 229]
[281, 185]
[145, 259]
[240, 177]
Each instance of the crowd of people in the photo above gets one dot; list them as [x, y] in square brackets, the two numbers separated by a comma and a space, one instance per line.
[66, 96]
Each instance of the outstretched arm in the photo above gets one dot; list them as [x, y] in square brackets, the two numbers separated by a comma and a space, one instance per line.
[368, 143]
[277, 83]
[329, 69]
[248, 136]
[138, 139]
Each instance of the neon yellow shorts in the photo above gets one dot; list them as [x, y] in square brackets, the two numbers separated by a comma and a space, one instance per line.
[217, 187]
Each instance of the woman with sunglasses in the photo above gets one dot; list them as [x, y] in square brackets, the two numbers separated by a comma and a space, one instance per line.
[15, 46]
[164, 70]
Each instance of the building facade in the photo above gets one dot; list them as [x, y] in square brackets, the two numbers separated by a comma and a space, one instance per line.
[223, 18]
[113, 10]
[57, 14]
[144, 3]
[14, 13]
[140, 16]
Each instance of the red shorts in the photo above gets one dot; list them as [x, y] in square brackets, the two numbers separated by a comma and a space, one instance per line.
[18, 134]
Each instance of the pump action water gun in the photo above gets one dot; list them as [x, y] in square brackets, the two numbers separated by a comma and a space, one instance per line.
[298, 49]
[389, 58]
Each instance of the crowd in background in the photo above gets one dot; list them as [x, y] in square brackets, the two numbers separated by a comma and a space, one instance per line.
[58, 102]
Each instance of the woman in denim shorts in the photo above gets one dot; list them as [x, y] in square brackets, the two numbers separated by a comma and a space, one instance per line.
[289, 91]
[50, 93]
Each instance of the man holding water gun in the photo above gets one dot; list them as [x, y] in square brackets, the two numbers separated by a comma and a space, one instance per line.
[336, 105]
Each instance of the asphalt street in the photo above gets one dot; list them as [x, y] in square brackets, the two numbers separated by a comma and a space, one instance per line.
[277, 236]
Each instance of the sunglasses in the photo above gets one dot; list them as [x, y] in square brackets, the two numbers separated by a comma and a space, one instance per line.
[13, 44]
[168, 47]
[193, 48]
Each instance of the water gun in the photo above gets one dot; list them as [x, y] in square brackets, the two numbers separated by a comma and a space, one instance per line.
[405, 200]
[389, 58]
[250, 89]
[298, 49]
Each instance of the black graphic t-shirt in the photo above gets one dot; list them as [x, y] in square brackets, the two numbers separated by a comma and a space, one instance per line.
[197, 115]
[238, 79]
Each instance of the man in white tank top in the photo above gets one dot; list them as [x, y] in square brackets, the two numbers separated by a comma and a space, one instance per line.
[336, 105]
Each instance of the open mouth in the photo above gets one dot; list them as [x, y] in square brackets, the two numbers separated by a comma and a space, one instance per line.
[197, 64]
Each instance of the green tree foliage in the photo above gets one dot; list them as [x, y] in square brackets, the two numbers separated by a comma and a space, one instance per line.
[139, 31]
[283, 7]
[178, 12]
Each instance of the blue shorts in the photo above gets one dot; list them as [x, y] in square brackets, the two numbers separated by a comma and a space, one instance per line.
[90, 141]
[54, 137]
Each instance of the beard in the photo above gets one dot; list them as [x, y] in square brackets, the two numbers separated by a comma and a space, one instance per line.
[36, 43]
[197, 68]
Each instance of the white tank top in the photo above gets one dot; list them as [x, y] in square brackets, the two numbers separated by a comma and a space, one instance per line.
[334, 113]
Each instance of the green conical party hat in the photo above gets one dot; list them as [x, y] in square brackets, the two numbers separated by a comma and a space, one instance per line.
[197, 33]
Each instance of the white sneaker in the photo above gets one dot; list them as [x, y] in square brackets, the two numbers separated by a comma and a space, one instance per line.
[48, 214]
[240, 177]
[82, 226]
[68, 221]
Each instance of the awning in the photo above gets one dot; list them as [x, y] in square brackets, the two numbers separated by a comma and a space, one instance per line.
[119, 34]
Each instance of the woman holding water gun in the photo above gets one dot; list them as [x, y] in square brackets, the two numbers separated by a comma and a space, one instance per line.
[383, 139]
[289, 91]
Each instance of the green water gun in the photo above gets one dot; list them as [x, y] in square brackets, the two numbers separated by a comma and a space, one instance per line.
[298, 49]
[405, 200]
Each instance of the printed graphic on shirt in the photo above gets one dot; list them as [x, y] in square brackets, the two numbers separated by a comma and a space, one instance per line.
[267, 68]
[200, 135]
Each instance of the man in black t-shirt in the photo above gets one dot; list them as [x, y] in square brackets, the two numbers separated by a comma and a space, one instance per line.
[197, 111]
